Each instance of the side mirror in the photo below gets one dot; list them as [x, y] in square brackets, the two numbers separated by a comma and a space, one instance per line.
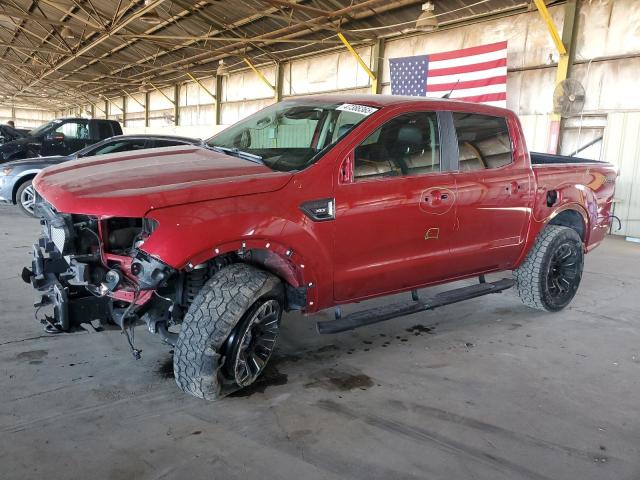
[56, 137]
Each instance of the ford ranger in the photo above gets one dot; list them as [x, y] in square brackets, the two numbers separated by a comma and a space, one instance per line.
[309, 204]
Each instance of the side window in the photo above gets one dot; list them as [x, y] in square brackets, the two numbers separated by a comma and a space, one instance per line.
[104, 130]
[118, 146]
[483, 141]
[74, 130]
[406, 145]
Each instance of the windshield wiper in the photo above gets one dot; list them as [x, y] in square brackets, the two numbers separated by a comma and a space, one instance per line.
[237, 153]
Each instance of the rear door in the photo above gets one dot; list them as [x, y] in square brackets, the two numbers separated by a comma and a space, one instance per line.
[494, 193]
[394, 212]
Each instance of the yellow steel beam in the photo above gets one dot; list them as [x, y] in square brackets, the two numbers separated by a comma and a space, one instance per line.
[162, 93]
[133, 98]
[365, 67]
[201, 85]
[546, 16]
[113, 103]
[260, 75]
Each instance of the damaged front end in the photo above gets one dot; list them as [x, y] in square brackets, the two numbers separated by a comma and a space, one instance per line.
[91, 269]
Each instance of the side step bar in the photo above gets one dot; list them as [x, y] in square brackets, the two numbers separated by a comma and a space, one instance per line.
[380, 314]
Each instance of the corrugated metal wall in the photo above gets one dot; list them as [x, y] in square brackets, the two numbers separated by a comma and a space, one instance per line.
[622, 147]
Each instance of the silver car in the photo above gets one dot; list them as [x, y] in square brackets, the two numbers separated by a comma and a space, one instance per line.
[16, 176]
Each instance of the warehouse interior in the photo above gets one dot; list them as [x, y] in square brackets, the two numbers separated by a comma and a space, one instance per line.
[487, 388]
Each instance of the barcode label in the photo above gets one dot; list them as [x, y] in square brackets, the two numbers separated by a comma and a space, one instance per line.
[360, 109]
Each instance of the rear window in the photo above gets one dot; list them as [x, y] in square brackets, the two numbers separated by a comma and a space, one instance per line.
[483, 141]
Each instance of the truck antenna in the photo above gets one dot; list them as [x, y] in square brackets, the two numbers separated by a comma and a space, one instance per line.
[448, 95]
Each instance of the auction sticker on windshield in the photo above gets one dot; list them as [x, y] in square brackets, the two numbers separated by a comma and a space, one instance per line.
[361, 109]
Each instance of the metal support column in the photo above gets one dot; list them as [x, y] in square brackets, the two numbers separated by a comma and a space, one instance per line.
[218, 115]
[146, 109]
[124, 111]
[279, 81]
[176, 104]
[564, 45]
[377, 64]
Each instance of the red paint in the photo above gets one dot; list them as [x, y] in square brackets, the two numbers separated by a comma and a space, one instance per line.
[383, 239]
[483, 82]
[468, 52]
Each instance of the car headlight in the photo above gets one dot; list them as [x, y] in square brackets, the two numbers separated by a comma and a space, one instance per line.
[6, 171]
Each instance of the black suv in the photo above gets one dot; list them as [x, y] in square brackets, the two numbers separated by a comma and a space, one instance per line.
[59, 137]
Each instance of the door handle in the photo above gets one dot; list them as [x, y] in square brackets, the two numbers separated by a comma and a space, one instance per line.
[436, 196]
[513, 188]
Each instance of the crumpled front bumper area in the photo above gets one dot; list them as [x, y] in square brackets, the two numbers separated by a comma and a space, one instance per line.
[54, 278]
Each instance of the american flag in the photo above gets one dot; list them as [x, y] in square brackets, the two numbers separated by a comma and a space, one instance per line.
[476, 74]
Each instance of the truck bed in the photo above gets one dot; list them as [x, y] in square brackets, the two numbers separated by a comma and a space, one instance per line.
[588, 183]
[539, 158]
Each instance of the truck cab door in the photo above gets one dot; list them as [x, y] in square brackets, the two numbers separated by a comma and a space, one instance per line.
[69, 137]
[394, 210]
[493, 183]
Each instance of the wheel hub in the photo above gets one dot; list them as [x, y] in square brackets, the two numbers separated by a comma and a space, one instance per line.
[27, 198]
[564, 271]
[257, 343]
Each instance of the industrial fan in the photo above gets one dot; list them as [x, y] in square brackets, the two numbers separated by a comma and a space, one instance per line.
[568, 98]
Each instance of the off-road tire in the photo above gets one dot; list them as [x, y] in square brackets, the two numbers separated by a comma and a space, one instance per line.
[23, 186]
[532, 276]
[219, 307]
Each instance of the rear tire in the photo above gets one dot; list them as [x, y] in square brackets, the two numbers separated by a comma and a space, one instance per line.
[549, 276]
[224, 325]
[25, 198]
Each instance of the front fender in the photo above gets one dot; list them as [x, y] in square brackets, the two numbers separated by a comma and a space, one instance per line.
[192, 234]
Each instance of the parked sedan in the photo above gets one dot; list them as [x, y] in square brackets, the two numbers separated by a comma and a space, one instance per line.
[16, 176]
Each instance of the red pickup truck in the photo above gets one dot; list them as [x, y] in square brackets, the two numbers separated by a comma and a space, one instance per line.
[309, 204]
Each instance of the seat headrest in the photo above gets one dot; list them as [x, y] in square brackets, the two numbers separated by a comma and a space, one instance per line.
[342, 131]
[410, 135]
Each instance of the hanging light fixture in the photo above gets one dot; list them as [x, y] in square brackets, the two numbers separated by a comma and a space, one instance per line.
[66, 32]
[151, 16]
[222, 69]
[427, 21]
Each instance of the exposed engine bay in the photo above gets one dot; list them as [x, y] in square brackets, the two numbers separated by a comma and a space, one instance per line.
[91, 269]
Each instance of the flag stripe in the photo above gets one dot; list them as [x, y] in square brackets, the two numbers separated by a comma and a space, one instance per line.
[464, 77]
[466, 52]
[501, 104]
[482, 82]
[471, 60]
[472, 92]
[490, 97]
[467, 68]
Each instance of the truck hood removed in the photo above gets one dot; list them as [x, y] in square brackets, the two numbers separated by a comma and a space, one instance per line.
[131, 184]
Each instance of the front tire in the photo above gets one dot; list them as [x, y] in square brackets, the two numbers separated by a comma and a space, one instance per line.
[550, 275]
[26, 198]
[229, 332]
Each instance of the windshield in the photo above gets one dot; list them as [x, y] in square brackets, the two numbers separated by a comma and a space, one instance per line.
[291, 135]
[36, 132]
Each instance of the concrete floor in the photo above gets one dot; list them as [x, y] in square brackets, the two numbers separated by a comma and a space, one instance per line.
[486, 389]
